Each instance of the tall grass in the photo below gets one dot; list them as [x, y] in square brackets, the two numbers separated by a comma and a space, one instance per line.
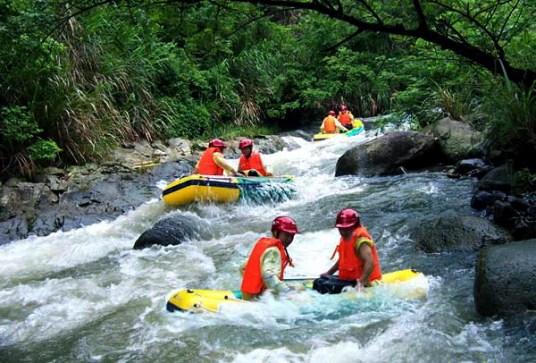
[99, 100]
[512, 113]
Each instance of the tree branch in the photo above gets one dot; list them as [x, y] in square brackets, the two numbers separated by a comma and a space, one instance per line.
[344, 40]
[489, 61]
[423, 26]
[460, 47]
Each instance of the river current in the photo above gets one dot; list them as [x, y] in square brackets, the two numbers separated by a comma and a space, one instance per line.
[86, 296]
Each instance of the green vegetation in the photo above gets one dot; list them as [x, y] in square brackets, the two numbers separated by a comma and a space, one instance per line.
[80, 79]
[523, 181]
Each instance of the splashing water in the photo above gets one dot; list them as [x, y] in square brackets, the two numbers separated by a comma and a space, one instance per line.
[85, 295]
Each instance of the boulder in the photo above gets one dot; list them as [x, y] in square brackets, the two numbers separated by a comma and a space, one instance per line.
[497, 179]
[457, 140]
[169, 231]
[505, 278]
[469, 168]
[389, 155]
[485, 200]
[453, 233]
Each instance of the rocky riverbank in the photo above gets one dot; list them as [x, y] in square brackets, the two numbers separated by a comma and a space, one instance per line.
[63, 199]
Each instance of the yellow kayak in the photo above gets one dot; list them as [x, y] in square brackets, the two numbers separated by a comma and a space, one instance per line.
[226, 189]
[403, 284]
[358, 128]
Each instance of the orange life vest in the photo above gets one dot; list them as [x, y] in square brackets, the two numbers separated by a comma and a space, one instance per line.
[351, 266]
[329, 125]
[253, 162]
[345, 118]
[207, 165]
[252, 282]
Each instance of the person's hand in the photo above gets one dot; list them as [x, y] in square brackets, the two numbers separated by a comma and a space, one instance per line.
[325, 274]
[359, 287]
[237, 173]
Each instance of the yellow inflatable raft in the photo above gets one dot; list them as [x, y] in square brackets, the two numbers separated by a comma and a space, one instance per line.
[403, 284]
[358, 128]
[226, 189]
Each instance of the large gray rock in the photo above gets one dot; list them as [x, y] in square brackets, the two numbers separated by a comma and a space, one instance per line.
[389, 153]
[497, 179]
[169, 231]
[505, 279]
[469, 168]
[457, 140]
[453, 233]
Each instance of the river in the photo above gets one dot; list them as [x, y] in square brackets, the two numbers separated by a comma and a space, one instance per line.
[86, 296]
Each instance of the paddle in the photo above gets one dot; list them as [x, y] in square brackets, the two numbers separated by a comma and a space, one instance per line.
[301, 279]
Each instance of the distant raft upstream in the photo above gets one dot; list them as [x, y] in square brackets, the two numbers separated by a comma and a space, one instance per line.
[228, 189]
[358, 128]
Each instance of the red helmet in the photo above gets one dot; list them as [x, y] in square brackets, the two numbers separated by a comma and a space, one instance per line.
[347, 218]
[245, 143]
[216, 143]
[331, 112]
[344, 107]
[284, 224]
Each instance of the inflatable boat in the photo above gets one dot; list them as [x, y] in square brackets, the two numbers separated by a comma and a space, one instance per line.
[227, 189]
[358, 128]
[402, 284]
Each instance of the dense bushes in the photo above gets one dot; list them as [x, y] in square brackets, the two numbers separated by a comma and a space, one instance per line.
[115, 74]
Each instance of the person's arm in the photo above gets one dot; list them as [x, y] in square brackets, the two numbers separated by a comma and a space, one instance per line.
[271, 269]
[332, 270]
[322, 126]
[364, 252]
[340, 126]
[196, 169]
[222, 163]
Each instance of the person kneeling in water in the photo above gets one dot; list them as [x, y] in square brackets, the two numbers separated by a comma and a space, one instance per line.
[266, 264]
[358, 262]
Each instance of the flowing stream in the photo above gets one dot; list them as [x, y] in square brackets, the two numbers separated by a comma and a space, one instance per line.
[86, 296]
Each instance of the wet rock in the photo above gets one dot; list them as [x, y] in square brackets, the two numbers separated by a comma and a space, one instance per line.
[170, 171]
[505, 279]
[179, 148]
[389, 154]
[13, 229]
[469, 168]
[457, 140]
[497, 179]
[518, 215]
[485, 199]
[452, 233]
[169, 231]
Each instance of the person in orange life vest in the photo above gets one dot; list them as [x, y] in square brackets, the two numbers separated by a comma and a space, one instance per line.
[250, 163]
[265, 267]
[331, 125]
[345, 117]
[212, 162]
[358, 259]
